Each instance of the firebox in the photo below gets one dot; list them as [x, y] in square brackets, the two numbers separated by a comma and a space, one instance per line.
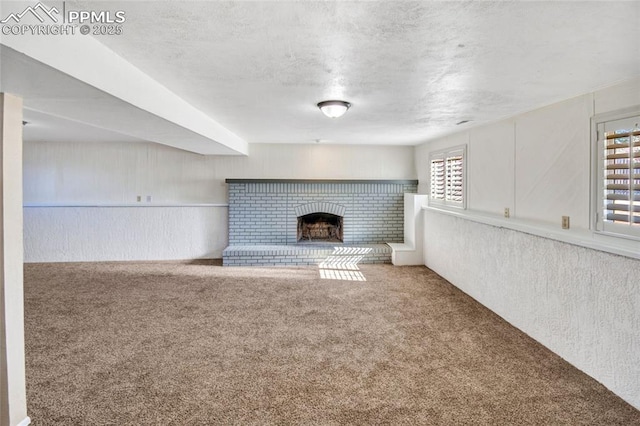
[320, 227]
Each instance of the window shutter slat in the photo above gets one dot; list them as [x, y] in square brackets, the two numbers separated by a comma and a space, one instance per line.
[622, 135]
[623, 207]
[623, 218]
[618, 166]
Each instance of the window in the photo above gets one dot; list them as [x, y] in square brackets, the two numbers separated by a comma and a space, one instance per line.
[448, 177]
[618, 174]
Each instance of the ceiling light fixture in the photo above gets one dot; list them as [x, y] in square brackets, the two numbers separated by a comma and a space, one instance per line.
[334, 109]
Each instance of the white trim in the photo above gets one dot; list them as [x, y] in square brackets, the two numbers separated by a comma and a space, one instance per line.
[576, 236]
[25, 422]
[46, 205]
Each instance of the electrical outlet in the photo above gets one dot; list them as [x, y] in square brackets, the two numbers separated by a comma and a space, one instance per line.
[139, 198]
[506, 212]
[148, 198]
[565, 222]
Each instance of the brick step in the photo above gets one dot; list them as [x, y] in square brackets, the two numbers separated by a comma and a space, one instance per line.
[325, 255]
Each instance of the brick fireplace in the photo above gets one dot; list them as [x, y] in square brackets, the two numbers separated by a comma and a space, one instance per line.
[297, 217]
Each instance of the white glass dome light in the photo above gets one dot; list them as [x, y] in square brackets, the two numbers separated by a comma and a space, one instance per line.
[334, 109]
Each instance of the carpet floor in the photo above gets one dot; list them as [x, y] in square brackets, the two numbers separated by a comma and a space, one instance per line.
[199, 344]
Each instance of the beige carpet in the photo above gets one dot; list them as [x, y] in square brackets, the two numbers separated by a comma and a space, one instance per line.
[199, 344]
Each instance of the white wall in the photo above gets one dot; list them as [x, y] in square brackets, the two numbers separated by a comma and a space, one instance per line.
[82, 234]
[537, 164]
[582, 303]
[81, 173]
[187, 215]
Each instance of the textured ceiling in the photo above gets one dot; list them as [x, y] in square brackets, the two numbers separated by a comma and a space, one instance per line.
[411, 70]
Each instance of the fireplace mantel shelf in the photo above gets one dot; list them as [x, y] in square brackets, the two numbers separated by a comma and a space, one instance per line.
[374, 181]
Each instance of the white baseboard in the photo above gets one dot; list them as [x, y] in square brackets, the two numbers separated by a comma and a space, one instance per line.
[25, 422]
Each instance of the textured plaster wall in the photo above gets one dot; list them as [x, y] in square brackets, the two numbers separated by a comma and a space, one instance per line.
[582, 304]
[76, 174]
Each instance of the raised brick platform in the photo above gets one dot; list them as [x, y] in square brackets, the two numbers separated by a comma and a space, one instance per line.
[324, 255]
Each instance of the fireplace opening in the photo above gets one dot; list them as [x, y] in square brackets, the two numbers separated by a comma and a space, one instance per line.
[324, 227]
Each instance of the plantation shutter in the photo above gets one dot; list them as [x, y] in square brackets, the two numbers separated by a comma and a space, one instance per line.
[454, 178]
[620, 140]
[447, 177]
[438, 179]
